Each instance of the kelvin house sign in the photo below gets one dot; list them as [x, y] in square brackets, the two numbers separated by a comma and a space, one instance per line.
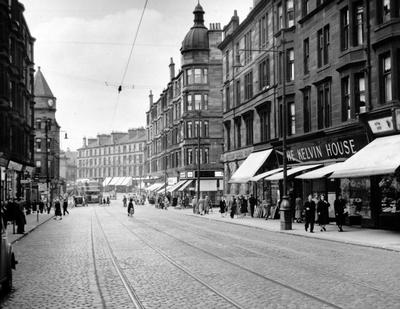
[331, 148]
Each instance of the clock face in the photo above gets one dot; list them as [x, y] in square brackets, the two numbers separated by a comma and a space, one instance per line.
[50, 102]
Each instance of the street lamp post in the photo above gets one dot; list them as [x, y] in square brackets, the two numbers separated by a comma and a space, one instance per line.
[49, 195]
[198, 156]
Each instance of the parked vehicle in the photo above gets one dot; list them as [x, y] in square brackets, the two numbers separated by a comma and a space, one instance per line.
[78, 201]
[7, 261]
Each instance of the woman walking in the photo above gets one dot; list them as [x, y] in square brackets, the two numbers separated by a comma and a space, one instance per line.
[298, 209]
[232, 206]
[323, 213]
[222, 206]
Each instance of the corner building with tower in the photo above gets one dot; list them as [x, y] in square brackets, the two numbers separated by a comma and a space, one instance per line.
[184, 126]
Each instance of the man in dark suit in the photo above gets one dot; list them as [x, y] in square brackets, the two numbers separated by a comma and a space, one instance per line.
[309, 208]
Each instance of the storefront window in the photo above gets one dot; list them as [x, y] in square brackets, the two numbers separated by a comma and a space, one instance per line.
[390, 192]
[357, 193]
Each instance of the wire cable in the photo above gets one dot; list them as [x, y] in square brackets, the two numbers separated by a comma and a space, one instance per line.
[134, 42]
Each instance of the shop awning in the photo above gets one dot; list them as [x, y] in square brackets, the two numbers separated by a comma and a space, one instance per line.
[155, 186]
[160, 189]
[320, 172]
[250, 166]
[176, 186]
[208, 185]
[106, 181]
[381, 156]
[113, 181]
[120, 181]
[292, 171]
[184, 186]
[266, 174]
[126, 182]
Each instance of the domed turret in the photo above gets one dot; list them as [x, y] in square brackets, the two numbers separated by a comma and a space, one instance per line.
[197, 37]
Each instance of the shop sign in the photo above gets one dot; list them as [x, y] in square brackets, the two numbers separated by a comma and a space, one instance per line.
[381, 125]
[219, 174]
[29, 169]
[172, 180]
[190, 174]
[26, 181]
[42, 187]
[15, 166]
[326, 149]
[182, 175]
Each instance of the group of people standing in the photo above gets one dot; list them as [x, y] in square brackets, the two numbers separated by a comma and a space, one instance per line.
[203, 206]
[238, 205]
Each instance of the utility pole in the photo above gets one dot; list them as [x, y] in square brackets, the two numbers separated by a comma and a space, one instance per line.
[46, 127]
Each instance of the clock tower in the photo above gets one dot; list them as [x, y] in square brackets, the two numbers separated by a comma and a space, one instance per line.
[47, 139]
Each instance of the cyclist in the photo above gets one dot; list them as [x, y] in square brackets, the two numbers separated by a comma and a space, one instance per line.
[131, 208]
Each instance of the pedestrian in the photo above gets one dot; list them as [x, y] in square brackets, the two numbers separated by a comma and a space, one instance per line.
[131, 206]
[20, 219]
[309, 208]
[298, 209]
[57, 210]
[194, 205]
[232, 206]
[323, 212]
[41, 206]
[201, 203]
[243, 206]
[166, 203]
[252, 203]
[124, 200]
[339, 206]
[48, 203]
[222, 206]
[206, 205]
[65, 206]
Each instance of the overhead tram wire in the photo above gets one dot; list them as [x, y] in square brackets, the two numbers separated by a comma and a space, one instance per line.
[129, 59]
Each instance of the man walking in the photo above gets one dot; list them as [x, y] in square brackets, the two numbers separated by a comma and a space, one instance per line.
[309, 208]
[252, 202]
[65, 206]
[339, 205]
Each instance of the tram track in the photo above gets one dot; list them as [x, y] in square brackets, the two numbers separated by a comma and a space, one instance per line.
[309, 267]
[129, 289]
[224, 260]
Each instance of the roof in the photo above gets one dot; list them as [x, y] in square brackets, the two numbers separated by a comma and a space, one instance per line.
[197, 37]
[41, 88]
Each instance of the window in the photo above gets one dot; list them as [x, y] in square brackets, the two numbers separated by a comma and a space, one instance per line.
[228, 135]
[205, 102]
[248, 85]
[249, 129]
[197, 101]
[360, 104]
[206, 130]
[358, 25]
[38, 163]
[48, 144]
[263, 30]
[264, 71]
[227, 63]
[189, 129]
[237, 54]
[189, 76]
[38, 144]
[290, 13]
[307, 109]
[38, 124]
[344, 31]
[238, 124]
[206, 156]
[228, 98]
[386, 8]
[197, 128]
[346, 100]
[290, 65]
[324, 105]
[323, 46]
[306, 55]
[189, 156]
[280, 17]
[305, 7]
[264, 125]
[197, 76]
[291, 118]
[386, 64]
[238, 93]
[247, 47]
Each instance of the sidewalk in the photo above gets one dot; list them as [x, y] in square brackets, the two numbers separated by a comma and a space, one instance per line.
[31, 224]
[383, 239]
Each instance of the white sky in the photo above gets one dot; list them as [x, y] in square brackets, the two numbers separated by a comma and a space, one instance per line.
[75, 55]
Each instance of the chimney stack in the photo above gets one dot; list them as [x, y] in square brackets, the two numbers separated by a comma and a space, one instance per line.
[151, 98]
[84, 142]
[172, 69]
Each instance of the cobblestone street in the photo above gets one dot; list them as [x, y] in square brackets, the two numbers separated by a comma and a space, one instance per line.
[98, 257]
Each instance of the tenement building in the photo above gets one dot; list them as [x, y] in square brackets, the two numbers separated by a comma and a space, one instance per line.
[325, 75]
[16, 101]
[119, 155]
[47, 141]
[184, 126]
